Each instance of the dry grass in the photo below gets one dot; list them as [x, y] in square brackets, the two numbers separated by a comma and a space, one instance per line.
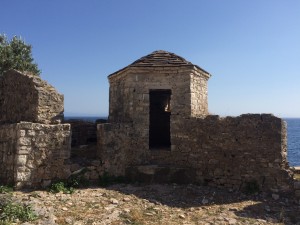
[136, 217]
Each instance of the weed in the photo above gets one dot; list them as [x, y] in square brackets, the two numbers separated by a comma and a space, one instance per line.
[61, 187]
[221, 209]
[5, 189]
[135, 217]
[11, 212]
[77, 179]
[4, 223]
[68, 186]
[35, 195]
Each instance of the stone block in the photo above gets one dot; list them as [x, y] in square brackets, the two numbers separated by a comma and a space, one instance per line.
[24, 141]
[21, 160]
[24, 150]
[23, 176]
[21, 133]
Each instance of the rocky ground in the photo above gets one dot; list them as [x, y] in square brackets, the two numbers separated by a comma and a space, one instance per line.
[159, 204]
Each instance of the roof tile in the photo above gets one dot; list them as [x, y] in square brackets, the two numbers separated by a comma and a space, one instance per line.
[160, 58]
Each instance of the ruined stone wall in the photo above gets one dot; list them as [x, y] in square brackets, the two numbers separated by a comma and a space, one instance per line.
[8, 142]
[50, 104]
[25, 97]
[230, 152]
[34, 154]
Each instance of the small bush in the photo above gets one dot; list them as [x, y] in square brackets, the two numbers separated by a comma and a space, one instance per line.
[61, 187]
[76, 180]
[11, 212]
[5, 189]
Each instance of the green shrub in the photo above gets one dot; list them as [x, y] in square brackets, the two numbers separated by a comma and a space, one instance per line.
[76, 180]
[61, 187]
[16, 54]
[11, 212]
[5, 189]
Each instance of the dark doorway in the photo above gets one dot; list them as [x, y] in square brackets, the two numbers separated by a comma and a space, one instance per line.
[159, 128]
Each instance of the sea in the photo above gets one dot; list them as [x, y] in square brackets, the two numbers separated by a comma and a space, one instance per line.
[293, 134]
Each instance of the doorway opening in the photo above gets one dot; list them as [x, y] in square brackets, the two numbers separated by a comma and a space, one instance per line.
[160, 112]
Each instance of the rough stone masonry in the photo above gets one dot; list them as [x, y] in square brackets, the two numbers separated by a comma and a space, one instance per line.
[159, 130]
[33, 145]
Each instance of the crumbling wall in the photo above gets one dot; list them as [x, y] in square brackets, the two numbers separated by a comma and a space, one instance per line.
[26, 97]
[230, 152]
[32, 153]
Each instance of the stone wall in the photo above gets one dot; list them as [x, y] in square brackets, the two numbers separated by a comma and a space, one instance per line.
[37, 153]
[230, 152]
[120, 145]
[8, 142]
[129, 93]
[233, 151]
[26, 97]
[199, 95]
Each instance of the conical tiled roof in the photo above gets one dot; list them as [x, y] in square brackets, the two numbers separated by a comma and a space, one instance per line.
[160, 58]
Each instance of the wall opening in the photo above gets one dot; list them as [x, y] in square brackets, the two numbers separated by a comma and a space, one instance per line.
[159, 127]
[84, 139]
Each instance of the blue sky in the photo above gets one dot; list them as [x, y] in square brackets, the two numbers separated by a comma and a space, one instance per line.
[251, 48]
